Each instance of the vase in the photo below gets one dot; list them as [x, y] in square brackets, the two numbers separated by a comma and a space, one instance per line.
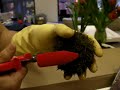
[101, 36]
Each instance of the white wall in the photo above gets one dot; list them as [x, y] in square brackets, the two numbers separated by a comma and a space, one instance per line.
[48, 7]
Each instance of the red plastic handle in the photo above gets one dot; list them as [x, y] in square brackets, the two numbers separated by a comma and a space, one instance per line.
[56, 58]
[25, 57]
[14, 64]
[6, 66]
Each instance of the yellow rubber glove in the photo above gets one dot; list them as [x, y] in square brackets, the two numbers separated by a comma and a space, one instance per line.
[42, 38]
[39, 38]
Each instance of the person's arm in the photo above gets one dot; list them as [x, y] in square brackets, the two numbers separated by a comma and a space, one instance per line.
[10, 81]
[5, 36]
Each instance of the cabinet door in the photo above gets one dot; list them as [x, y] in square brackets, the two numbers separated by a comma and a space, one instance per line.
[23, 7]
[7, 5]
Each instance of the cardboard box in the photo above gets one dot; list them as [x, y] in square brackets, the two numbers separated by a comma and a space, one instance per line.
[49, 78]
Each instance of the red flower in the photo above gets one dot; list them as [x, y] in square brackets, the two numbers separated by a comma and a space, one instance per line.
[82, 1]
[118, 9]
[113, 15]
[75, 4]
[112, 2]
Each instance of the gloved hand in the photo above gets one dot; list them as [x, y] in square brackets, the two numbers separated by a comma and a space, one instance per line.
[42, 38]
[39, 38]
